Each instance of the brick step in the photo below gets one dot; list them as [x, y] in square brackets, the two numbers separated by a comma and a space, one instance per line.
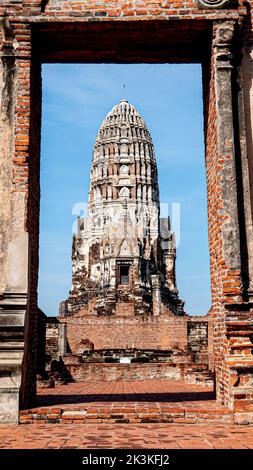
[125, 413]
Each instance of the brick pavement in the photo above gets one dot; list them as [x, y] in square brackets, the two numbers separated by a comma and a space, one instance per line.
[174, 395]
[92, 436]
[127, 402]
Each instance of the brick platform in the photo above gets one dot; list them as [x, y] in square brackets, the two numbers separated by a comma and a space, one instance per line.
[127, 402]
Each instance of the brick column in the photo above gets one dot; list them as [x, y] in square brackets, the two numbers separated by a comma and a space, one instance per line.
[226, 168]
[19, 220]
[13, 240]
[245, 104]
[225, 229]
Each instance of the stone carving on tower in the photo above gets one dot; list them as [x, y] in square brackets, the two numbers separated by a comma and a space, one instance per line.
[122, 251]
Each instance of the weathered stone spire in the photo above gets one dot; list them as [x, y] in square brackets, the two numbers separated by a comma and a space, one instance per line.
[119, 251]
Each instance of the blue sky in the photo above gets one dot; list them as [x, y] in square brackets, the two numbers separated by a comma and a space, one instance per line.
[76, 99]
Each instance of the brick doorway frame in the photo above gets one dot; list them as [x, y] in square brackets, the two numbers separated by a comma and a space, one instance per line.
[214, 42]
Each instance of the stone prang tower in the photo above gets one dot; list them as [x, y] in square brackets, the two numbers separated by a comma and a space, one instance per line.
[123, 253]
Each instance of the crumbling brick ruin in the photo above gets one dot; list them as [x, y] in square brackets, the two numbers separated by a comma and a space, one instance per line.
[215, 33]
[129, 347]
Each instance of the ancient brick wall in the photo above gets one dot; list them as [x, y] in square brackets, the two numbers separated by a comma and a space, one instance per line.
[115, 9]
[210, 342]
[214, 204]
[125, 308]
[222, 202]
[119, 332]
[197, 339]
[214, 197]
[189, 334]
[27, 172]
[22, 231]
[126, 332]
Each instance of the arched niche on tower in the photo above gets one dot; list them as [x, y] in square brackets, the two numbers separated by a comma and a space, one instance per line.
[124, 193]
[124, 170]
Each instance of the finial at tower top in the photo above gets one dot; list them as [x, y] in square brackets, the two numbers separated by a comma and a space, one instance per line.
[124, 100]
